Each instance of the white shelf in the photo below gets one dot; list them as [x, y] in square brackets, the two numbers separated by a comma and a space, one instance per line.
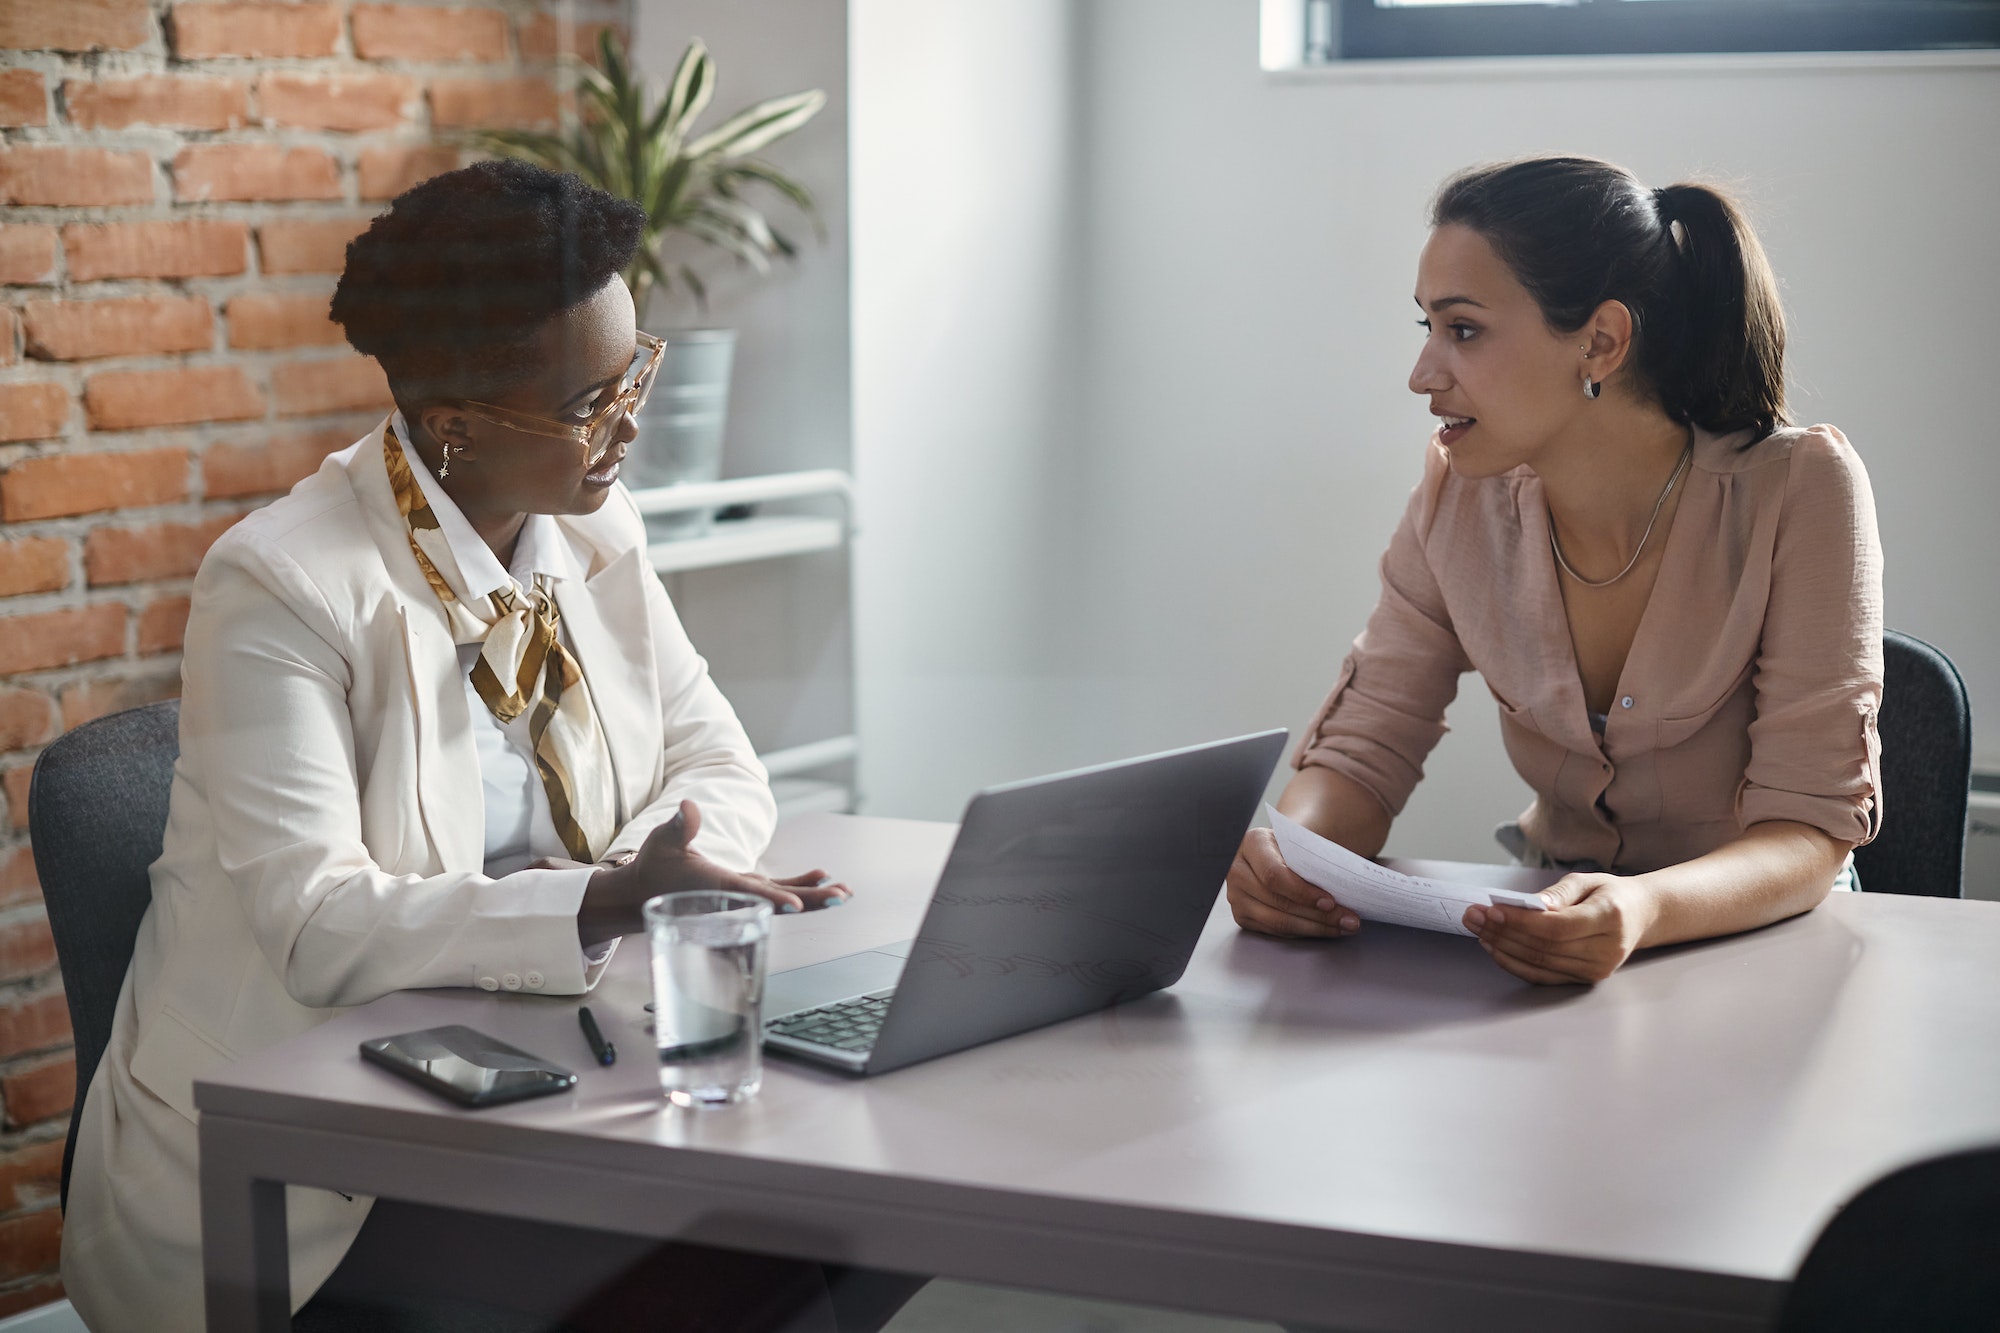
[766, 537]
[807, 796]
[813, 754]
[743, 539]
[797, 795]
[743, 491]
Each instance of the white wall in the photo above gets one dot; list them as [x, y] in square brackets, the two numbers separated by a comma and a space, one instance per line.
[1182, 535]
[967, 228]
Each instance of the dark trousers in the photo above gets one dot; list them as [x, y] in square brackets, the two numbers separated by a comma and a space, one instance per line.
[419, 1269]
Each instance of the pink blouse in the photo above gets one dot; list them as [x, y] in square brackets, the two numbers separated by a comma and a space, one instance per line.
[1750, 692]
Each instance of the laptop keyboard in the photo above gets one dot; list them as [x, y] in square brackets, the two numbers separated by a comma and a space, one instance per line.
[845, 1025]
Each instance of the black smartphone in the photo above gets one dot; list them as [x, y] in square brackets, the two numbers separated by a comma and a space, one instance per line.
[467, 1066]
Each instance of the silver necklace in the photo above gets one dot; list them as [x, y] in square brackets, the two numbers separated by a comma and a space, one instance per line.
[1687, 455]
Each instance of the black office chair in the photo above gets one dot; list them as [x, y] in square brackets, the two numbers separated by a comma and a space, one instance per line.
[1918, 1249]
[97, 812]
[1926, 727]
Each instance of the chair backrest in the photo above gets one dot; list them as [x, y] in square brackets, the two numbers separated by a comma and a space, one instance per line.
[1917, 1249]
[97, 812]
[1926, 727]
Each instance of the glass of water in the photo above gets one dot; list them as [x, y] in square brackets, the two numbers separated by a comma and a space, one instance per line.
[708, 994]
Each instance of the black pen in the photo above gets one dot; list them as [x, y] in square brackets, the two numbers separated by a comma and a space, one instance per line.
[605, 1052]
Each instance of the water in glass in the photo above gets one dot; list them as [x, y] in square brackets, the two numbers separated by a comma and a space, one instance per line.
[708, 994]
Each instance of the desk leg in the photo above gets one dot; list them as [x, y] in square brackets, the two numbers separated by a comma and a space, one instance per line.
[245, 1265]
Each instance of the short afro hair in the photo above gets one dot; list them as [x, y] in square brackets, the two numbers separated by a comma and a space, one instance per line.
[448, 287]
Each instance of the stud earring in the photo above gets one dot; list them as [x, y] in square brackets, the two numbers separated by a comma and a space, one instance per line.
[444, 468]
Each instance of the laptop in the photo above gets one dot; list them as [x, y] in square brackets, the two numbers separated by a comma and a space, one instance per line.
[1062, 895]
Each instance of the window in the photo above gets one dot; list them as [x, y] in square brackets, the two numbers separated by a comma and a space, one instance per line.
[1428, 29]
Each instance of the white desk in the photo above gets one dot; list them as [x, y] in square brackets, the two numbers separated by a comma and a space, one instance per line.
[1385, 1132]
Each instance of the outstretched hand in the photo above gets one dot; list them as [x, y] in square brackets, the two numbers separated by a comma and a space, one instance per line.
[667, 863]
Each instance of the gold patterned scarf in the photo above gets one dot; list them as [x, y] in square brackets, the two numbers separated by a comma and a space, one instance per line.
[522, 668]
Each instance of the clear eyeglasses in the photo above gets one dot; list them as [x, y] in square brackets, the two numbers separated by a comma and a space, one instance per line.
[596, 431]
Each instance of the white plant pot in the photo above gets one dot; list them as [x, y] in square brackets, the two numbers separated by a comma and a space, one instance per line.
[681, 427]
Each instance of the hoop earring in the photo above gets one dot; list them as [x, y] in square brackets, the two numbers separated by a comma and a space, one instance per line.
[444, 468]
[1591, 387]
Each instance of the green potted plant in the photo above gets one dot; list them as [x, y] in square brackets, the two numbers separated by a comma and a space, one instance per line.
[628, 140]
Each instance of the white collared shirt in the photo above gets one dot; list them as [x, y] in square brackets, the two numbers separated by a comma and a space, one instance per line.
[519, 828]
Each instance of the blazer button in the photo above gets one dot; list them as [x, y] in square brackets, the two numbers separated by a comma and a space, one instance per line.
[512, 981]
[534, 980]
[488, 983]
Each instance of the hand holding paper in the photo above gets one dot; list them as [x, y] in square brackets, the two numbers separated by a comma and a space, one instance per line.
[1378, 893]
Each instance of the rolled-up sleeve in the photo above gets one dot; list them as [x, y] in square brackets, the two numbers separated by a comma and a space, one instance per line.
[1814, 755]
[1385, 712]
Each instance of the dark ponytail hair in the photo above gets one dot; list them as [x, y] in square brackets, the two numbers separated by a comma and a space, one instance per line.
[1709, 336]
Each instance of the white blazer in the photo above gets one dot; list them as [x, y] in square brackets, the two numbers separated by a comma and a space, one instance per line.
[325, 839]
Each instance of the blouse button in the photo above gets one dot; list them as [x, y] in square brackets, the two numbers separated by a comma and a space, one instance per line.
[534, 980]
[489, 983]
[1626, 702]
[512, 981]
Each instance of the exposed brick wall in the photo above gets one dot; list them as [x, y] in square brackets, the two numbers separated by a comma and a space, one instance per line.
[180, 179]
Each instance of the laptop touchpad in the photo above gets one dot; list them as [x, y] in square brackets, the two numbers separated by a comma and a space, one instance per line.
[836, 979]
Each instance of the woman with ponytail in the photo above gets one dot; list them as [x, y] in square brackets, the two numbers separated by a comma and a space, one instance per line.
[1673, 593]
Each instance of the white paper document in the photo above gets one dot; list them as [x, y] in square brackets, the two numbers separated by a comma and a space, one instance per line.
[1378, 893]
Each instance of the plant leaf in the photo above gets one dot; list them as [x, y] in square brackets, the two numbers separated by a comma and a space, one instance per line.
[765, 123]
[612, 52]
[646, 273]
[664, 205]
[718, 233]
[800, 196]
[745, 220]
[689, 93]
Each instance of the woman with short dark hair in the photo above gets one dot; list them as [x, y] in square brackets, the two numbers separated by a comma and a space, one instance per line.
[1674, 594]
[440, 726]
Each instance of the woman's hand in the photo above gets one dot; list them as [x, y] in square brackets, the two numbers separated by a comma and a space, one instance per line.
[1267, 896]
[1593, 924]
[667, 863]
